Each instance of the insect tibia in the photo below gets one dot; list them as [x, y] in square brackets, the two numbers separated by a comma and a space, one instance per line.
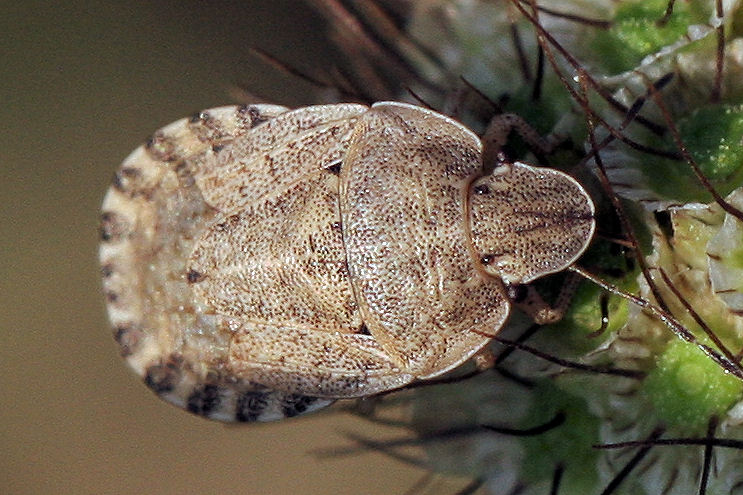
[496, 136]
[528, 300]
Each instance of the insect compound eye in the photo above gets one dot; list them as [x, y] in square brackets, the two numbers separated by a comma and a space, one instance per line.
[487, 259]
[482, 189]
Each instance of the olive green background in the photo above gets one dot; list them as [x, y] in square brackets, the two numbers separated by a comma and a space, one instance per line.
[82, 85]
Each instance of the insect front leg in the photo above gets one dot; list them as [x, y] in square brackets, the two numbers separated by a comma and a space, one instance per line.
[501, 126]
[528, 300]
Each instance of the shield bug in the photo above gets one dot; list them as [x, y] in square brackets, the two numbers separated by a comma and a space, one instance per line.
[260, 262]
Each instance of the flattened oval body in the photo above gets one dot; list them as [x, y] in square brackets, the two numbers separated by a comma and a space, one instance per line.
[190, 176]
[259, 263]
[404, 188]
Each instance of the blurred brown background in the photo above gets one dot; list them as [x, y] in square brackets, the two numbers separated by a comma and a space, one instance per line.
[82, 85]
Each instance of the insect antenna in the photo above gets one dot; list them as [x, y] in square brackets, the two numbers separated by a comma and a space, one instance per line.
[730, 362]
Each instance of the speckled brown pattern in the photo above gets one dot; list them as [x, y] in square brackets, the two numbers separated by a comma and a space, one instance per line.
[528, 221]
[259, 263]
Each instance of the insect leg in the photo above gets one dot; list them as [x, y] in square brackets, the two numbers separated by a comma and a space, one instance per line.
[496, 136]
[528, 300]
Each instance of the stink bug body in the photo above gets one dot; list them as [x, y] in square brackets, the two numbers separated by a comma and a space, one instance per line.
[261, 262]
